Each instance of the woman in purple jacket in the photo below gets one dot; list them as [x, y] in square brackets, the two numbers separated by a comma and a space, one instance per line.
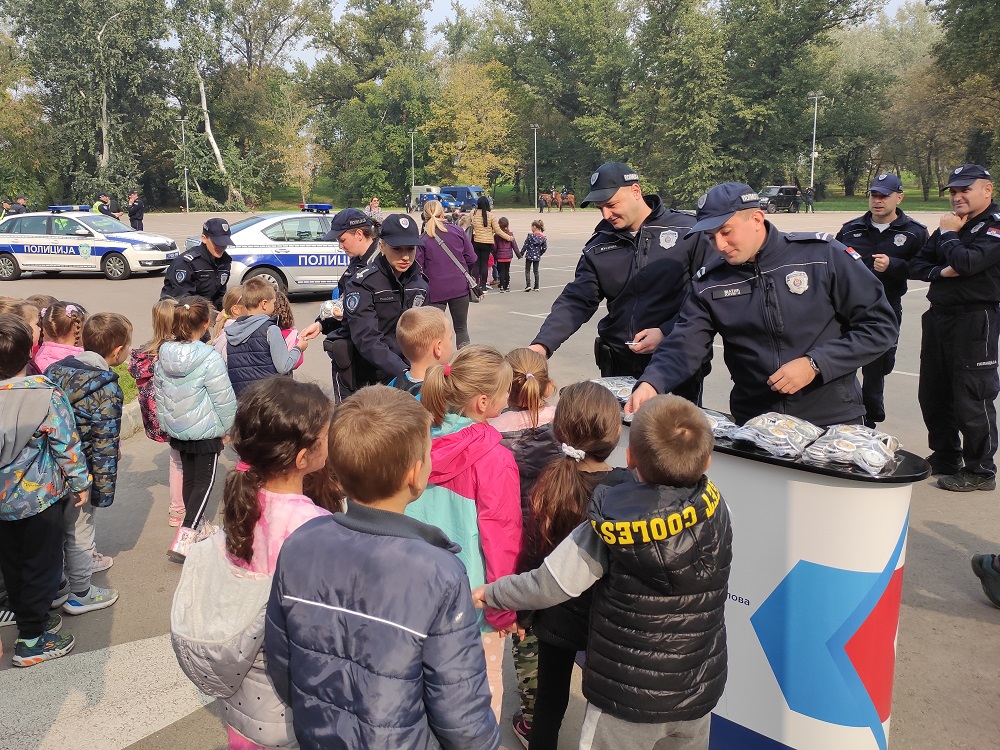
[447, 285]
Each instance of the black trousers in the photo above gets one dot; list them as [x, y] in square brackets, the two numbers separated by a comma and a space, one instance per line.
[873, 375]
[959, 384]
[31, 559]
[199, 478]
[459, 309]
[503, 273]
[528, 266]
[555, 668]
[482, 272]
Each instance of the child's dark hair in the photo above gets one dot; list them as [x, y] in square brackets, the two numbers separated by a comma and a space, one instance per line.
[41, 301]
[190, 316]
[104, 332]
[531, 383]
[504, 224]
[323, 487]
[476, 370]
[62, 320]
[275, 419]
[396, 432]
[283, 311]
[15, 345]
[538, 224]
[670, 441]
[588, 419]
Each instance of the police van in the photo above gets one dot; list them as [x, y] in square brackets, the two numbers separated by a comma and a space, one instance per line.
[70, 238]
[287, 249]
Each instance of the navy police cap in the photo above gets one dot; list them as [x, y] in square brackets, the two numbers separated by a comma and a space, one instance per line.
[719, 204]
[966, 174]
[399, 230]
[217, 230]
[607, 180]
[886, 184]
[347, 220]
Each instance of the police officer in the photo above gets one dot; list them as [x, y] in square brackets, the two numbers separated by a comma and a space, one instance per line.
[103, 205]
[136, 209]
[640, 261]
[6, 208]
[20, 205]
[958, 352]
[797, 313]
[364, 349]
[886, 239]
[203, 270]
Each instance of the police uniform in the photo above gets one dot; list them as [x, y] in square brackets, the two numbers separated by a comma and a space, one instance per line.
[364, 349]
[136, 213]
[803, 295]
[17, 208]
[344, 221]
[958, 351]
[100, 207]
[198, 272]
[900, 241]
[644, 279]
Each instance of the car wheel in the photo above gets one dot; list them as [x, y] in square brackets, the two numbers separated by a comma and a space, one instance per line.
[771, 208]
[269, 274]
[115, 267]
[9, 269]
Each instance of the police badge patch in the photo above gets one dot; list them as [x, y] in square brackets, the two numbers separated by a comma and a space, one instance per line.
[594, 177]
[180, 275]
[701, 200]
[223, 278]
[404, 222]
[978, 226]
[85, 251]
[668, 239]
[352, 301]
[418, 299]
[899, 240]
[797, 281]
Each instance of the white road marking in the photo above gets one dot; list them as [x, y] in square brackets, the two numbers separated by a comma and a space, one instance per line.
[106, 699]
[529, 315]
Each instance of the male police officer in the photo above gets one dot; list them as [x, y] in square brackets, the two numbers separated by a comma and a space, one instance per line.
[136, 209]
[364, 349]
[20, 205]
[958, 353]
[886, 239]
[204, 269]
[6, 208]
[103, 205]
[641, 262]
[798, 314]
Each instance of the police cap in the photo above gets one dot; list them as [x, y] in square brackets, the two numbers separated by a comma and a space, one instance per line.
[133, 191]
[5, 200]
[20, 197]
[966, 174]
[886, 184]
[399, 230]
[102, 194]
[607, 180]
[348, 220]
[217, 230]
[721, 203]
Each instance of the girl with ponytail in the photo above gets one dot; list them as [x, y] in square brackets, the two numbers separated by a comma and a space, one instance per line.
[473, 489]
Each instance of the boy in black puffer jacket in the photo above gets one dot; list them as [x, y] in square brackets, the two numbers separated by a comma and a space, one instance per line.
[661, 548]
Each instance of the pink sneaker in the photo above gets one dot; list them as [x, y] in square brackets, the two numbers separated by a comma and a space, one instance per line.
[175, 519]
[102, 562]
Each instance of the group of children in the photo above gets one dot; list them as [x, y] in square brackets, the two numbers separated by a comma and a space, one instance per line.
[531, 250]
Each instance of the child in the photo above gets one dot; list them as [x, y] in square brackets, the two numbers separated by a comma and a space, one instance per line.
[280, 434]
[503, 251]
[29, 313]
[532, 250]
[370, 637]
[62, 327]
[196, 406]
[425, 338]
[140, 367]
[41, 463]
[255, 348]
[661, 547]
[97, 400]
[527, 432]
[473, 491]
[285, 320]
[586, 427]
[232, 308]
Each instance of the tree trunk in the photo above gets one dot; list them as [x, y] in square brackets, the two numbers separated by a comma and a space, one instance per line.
[105, 158]
[233, 192]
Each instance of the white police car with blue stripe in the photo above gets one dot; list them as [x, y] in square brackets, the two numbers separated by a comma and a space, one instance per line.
[70, 238]
[287, 249]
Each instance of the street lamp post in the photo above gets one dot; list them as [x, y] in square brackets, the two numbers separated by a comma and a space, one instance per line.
[534, 128]
[413, 171]
[815, 96]
[187, 203]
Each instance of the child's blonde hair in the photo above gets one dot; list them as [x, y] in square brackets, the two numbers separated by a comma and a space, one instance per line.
[232, 298]
[283, 311]
[62, 320]
[433, 217]
[531, 383]
[670, 441]
[417, 330]
[163, 325]
[476, 370]
[256, 291]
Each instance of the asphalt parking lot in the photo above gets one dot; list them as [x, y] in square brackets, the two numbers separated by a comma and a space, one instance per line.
[121, 688]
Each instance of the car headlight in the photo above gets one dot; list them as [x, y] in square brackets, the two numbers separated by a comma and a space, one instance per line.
[143, 247]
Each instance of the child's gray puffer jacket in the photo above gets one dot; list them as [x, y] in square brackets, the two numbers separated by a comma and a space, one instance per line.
[194, 398]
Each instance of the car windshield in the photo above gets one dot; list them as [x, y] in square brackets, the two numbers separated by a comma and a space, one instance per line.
[105, 224]
[475, 194]
[448, 196]
[769, 191]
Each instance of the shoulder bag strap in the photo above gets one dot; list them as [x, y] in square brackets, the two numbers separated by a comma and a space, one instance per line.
[465, 271]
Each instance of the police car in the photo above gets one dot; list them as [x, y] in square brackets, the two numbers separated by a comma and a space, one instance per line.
[70, 238]
[287, 249]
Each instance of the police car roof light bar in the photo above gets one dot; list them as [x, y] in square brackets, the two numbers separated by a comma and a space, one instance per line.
[319, 208]
[62, 209]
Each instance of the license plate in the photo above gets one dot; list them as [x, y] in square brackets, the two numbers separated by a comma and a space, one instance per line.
[169, 256]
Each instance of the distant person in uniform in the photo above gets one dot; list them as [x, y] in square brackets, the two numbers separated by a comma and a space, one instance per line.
[6, 208]
[810, 197]
[102, 205]
[204, 269]
[20, 204]
[136, 209]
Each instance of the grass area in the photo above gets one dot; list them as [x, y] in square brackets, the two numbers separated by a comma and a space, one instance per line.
[127, 383]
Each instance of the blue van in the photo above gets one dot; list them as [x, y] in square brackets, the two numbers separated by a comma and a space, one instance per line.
[466, 195]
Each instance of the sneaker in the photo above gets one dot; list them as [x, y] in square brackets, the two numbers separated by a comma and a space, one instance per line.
[61, 596]
[942, 466]
[966, 481]
[536, 289]
[7, 617]
[175, 519]
[982, 566]
[521, 728]
[182, 542]
[527, 288]
[102, 562]
[48, 646]
[205, 530]
[96, 598]
[54, 623]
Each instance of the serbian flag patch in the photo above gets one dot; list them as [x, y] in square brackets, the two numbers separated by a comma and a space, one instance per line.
[993, 231]
[852, 252]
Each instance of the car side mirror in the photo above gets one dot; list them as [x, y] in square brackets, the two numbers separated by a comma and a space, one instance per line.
[81, 233]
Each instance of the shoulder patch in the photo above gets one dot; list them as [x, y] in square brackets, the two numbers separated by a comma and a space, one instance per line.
[352, 301]
[361, 273]
[180, 275]
[189, 257]
[809, 237]
[699, 273]
[993, 232]
[852, 252]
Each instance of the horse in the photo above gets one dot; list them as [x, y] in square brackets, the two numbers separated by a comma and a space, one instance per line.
[569, 200]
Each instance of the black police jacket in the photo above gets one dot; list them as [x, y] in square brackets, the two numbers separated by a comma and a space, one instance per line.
[16, 208]
[657, 649]
[329, 325]
[374, 300]
[136, 211]
[804, 295]
[198, 272]
[973, 251]
[644, 279]
[900, 241]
